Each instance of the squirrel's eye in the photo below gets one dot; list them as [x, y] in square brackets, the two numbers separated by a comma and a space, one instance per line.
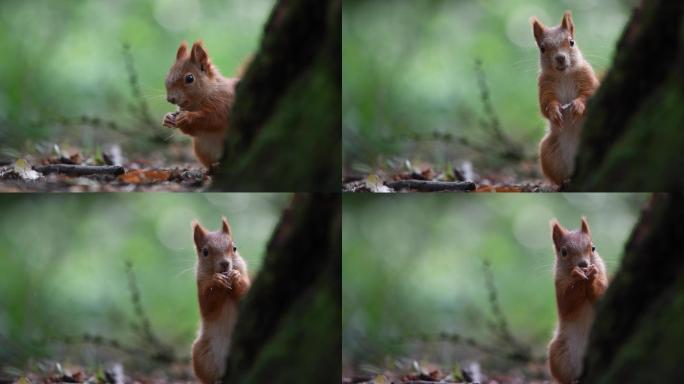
[189, 78]
[541, 48]
[572, 42]
[564, 252]
[205, 252]
[234, 249]
[593, 248]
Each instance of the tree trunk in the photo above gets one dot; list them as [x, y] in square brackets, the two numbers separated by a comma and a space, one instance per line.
[289, 326]
[633, 138]
[638, 334]
[285, 125]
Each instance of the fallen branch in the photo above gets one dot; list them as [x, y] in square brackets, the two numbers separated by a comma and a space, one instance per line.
[80, 170]
[432, 186]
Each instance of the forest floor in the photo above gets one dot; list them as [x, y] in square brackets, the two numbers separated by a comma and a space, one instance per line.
[113, 373]
[73, 170]
[406, 371]
[410, 176]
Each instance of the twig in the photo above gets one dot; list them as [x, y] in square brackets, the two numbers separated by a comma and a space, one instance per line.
[432, 186]
[144, 329]
[142, 108]
[80, 170]
[500, 327]
[98, 340]
[510, 149]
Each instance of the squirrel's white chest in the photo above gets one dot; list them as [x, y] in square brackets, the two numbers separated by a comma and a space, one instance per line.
[210, 145]
[576, 335]
[218, 332]
[566, 90]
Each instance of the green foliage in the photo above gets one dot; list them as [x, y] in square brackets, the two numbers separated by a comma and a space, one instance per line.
[413, 265]
[62, 262]
[64, 59]
[409, 69]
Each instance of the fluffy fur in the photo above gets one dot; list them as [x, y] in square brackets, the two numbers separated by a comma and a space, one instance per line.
[566, 82]
[580, 279]
[222, 281]
[203, 104]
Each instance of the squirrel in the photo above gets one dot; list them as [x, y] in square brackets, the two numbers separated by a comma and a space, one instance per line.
[222, 281]
[204, 99]
[566, 82]
[580, 279]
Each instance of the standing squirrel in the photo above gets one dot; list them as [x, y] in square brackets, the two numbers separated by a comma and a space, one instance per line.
[566, 82]
[580, 279]
[204, 99]
[222, 281]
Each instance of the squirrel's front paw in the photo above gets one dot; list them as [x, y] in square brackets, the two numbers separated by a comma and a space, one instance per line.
[577, 274]
[555, 115]
[592, 271]
[223, 280]
[181, 119]
[578, 108]
[234, 275]
[170, 120]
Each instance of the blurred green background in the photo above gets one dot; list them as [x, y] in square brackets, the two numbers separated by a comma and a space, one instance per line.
[64, 60]
[412, 265]
[408, 69]
[62, 264]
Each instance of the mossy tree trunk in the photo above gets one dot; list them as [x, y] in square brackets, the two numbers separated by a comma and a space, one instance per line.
[633, 138]
[284, 132]
[288, 330]
[638, 334]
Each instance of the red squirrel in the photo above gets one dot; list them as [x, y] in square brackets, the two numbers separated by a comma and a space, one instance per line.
[580, 279]
[204, 99]
[566, 82]
[222, 281]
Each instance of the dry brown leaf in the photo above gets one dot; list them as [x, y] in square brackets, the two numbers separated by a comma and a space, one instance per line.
[143, 176]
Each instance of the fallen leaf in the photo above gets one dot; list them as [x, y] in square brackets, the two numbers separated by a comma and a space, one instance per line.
[143, 176]
[375, 184]
[23, 168]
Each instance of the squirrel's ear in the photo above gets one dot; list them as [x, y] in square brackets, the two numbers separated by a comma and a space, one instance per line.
[199, 55]
[537, 29]
[225, 228]
[198, 232]
[567, 24]
[585, 226]
[182, 50]
[557, 232]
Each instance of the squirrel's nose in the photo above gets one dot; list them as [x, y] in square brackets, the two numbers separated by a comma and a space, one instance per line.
[224, 264]
[171, 100]
[560, 59]
[582, 264]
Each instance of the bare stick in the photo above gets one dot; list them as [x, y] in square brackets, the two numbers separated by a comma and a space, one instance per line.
[500, 328]
[432, 186]
[80, 170]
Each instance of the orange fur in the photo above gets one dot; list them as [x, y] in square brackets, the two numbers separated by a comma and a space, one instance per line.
[204, 103]
[580, 280]
[565, 79]
[222, 281]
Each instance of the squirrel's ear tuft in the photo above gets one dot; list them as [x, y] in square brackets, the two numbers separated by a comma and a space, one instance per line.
[585, 226]
[557, 232]
[182, 50]
[537, 29]
[198, 232]
[567, 24]
[225, 227]
[199, 56]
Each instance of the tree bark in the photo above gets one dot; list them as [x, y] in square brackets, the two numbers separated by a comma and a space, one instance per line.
[285, 126]
[289, 325]
[638, 333]
[633, 139]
